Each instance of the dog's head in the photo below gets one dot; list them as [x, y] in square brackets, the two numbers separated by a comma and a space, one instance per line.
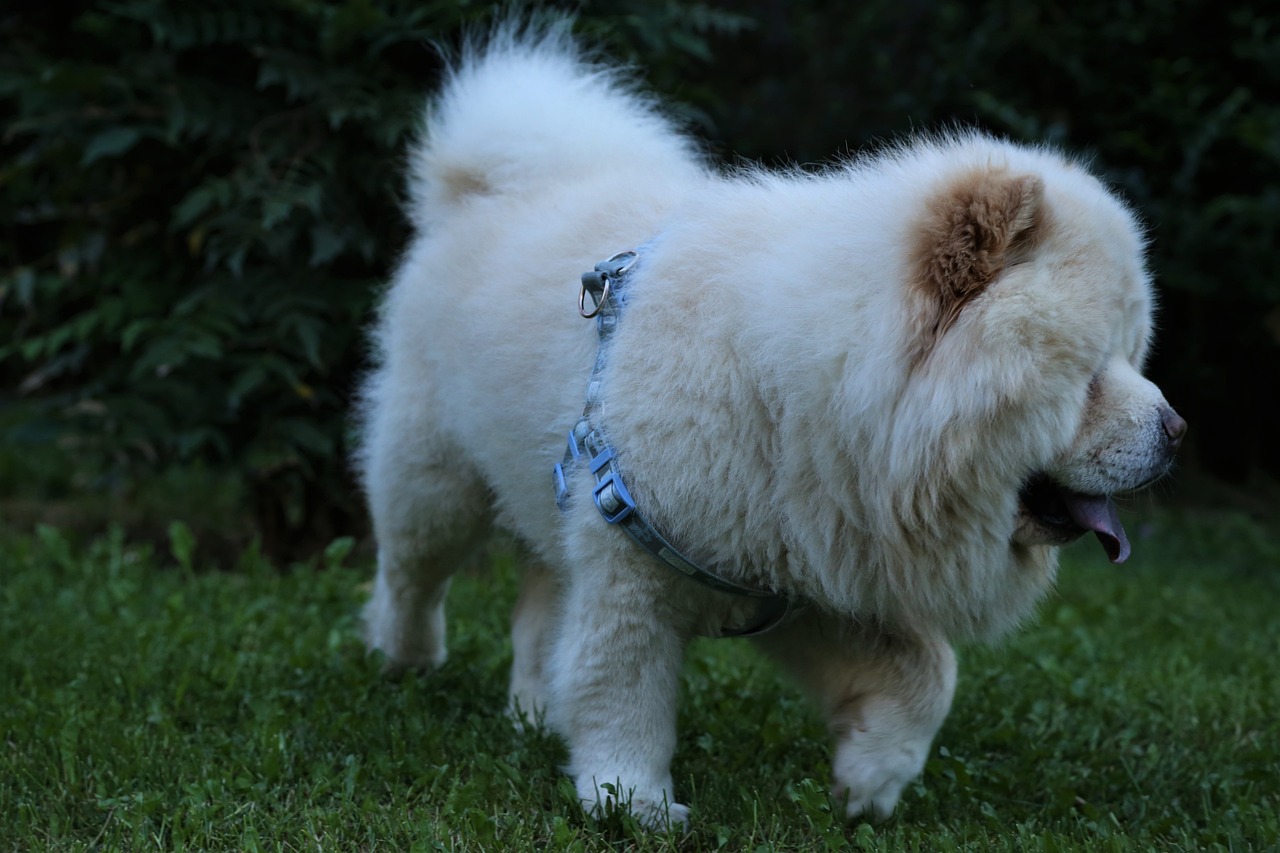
[1037, 267]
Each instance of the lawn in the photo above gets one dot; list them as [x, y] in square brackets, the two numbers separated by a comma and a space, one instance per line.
[152, 702]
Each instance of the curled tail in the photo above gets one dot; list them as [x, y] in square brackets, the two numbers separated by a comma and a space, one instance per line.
[525, 111]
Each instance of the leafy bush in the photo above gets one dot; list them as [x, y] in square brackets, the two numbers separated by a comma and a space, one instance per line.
[202, 200]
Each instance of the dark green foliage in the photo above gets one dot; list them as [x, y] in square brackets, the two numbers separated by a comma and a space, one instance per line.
[200, 200]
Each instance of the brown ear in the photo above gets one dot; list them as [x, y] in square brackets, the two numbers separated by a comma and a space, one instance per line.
[974, 229]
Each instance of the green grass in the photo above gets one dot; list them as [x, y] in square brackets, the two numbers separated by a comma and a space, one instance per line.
[151, 703]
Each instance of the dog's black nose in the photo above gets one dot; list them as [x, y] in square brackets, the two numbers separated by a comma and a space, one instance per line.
[1174, 427]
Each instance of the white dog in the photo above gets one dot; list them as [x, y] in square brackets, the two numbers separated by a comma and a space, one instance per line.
[879, 396]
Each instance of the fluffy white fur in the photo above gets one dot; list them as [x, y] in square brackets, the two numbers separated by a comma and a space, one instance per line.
[793, 404]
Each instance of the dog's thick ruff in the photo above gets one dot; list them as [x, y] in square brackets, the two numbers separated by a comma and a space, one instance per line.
[840, 386]
[605, 286]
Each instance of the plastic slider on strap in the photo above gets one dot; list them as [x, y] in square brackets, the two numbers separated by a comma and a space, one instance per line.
[601, 459]
[575, 447]
[562, 487]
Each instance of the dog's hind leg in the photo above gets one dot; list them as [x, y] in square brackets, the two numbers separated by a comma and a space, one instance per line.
[885, 697]
[429, 509]
[533, 624]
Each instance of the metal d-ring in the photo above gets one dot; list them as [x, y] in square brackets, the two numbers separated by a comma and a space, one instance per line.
[599, 304]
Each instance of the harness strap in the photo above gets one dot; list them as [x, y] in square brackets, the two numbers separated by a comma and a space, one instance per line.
[604, 289]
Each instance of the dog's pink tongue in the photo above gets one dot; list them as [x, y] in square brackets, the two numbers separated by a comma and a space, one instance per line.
[1098, 513]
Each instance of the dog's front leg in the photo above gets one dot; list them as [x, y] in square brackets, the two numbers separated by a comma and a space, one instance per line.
[885, 696]
[615, 672]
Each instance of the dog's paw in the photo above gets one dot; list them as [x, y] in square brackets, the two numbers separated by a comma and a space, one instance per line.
[872, 779]
[397, 668]
[875, 806]
[663, 816]
[655, 812]
[526, 718]
[400, 658]
[406, 645]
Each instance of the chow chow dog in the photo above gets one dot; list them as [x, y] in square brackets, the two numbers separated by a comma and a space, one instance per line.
[859, 407]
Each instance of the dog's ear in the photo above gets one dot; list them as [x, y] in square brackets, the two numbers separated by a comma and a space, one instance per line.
[974, 229]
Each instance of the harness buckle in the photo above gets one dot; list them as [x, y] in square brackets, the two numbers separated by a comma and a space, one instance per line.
[612, 498]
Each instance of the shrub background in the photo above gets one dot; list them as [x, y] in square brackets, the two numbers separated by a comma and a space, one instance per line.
[198, 201]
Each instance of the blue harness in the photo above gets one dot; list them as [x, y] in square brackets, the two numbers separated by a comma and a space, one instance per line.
[602, 297]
